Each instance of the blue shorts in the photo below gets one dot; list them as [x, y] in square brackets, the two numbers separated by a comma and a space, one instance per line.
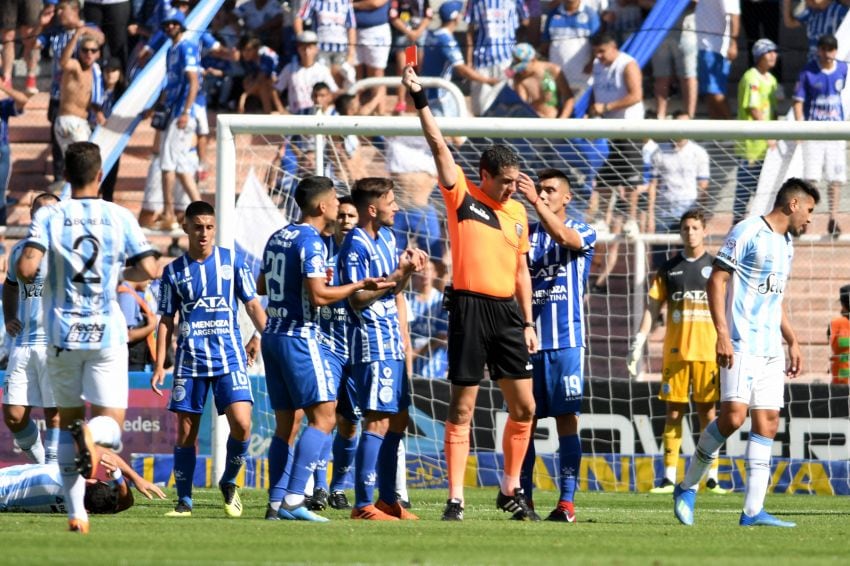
[189, 395]
[346, 399]
[713, 72]
[558, 378]
[298, 374]
[382, 386]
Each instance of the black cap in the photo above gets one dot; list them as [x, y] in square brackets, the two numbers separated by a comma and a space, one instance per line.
[828, 42]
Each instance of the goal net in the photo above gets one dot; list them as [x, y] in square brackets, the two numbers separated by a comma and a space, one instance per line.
[622, 418]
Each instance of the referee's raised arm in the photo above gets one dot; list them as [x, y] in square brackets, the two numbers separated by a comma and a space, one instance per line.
[446, 168]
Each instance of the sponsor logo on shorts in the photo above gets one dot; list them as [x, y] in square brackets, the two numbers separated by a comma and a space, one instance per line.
[178, 393]
[386, 394]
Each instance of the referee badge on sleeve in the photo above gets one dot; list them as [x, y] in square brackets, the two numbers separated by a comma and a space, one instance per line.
[518, 227]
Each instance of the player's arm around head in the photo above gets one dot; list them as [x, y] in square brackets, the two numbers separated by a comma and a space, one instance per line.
[446, 168]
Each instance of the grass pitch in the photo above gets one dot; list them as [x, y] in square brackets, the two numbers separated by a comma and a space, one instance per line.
[619, 528]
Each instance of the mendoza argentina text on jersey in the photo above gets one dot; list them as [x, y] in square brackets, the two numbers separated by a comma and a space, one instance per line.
[87, 242]
[204, 293]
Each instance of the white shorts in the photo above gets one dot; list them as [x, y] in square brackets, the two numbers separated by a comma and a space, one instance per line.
[178, 151]
[27, 384]
[152, 201]
[825, 160]
[757, 381]
[70, 129]
[203, 122]
[373, 46]
[98, 377]
[482, 95]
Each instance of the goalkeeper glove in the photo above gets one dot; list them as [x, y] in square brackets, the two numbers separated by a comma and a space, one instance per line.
[635, 354]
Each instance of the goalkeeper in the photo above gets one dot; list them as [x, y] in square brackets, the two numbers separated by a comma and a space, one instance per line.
[689, 358]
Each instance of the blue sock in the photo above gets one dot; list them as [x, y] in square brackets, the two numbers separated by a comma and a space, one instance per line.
[365, 461]
[278, 459]
[235, 459]
[387, 467]
[184, 472]
[526, 475]
[569, 453]
[344, 450]
[321, 475]
[307, 453]
[51, 445]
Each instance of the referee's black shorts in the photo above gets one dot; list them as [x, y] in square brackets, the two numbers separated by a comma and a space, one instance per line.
[486, 331]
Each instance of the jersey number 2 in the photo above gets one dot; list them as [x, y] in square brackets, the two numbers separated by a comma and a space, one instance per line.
[87, 274]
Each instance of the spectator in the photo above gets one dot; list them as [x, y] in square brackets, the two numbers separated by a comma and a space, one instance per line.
[114, 85]
[305, 145]
[541, 84]
[566, 39]
[717, 25]
[112, 16]
[12, 104]
[334, 25]
[677, 55]
[374, 40]
[263, 18]
[820, 17]
[756, 101]
[298, 78]
[409, 20]
[260, 65]
[25, 15]
[817, 98]
[838, 336]
[624, 18]
[141, 323]
[81, 89]
[442, 57]
[491, 36]
[429, 325]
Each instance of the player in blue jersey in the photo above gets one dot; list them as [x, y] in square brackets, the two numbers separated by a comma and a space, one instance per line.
[87, 242]
[202, 288]
[745, 292]
[377, 345]
[27, 384]
[298, 373]
[559, 262]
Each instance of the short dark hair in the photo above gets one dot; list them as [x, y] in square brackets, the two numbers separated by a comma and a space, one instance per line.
[369, 189]
[554, 174]
[309, 190]
[321, 85]
[250, 40]
[497, 157]
[199, 208]
[828, 41]
[844, 297]
[601, 38]
[343, 103]
[100, 499]
[39, 200]
[695, 214]
[82, 163]
[793, 187]
[72, 3]
[346, 199]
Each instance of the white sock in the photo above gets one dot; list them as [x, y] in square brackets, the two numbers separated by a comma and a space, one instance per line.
[509, 484]
[29, 441]
[308, 488]
[274, 505]
[758, 473]
[73, 483]
[105, 431]
[670, 473]
[292, 500]
[712, 472]
[709, 443]
[401, 474]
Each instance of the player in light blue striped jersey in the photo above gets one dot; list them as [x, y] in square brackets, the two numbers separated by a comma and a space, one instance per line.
[377, 345]
[27, 383]
[201, 288]
[559, 262]
[745, 292]
[298, 373]
[87, 242]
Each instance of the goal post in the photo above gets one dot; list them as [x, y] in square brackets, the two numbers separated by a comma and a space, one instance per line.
[622, 418]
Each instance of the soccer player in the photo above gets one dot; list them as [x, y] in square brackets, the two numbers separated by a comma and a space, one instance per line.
[298, 374]
[745, 292]
[377, 343]
[490, 319]
[202, 286]
[559, 262]
[689, 366]
[37, 488]
[27, 383]
[86, 241]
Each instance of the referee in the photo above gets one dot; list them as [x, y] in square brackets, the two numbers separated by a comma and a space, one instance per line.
[490, 319]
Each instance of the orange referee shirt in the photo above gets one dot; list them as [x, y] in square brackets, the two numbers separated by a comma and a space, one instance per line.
[487, 238]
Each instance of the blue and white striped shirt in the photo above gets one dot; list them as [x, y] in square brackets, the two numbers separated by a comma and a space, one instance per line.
[205, 294]
[821, 22]
[87, 242]
[331, 20]
[442, 54]
[376, 332]
[29, 301]
[760, 262]
[496, 22]
[335, 318]
[31, 488]
[182, 58]
[293, 253]
[429, 320]
[558, 281]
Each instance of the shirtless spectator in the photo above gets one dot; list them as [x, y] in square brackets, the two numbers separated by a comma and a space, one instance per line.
[541, 84]
[77, 89]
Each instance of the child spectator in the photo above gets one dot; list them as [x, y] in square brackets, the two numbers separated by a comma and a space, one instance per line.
[838, 335]
[297, 79]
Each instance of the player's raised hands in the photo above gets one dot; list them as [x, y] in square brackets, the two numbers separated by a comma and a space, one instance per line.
[410, 79]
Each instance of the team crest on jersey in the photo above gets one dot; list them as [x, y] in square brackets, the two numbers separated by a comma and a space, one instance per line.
[184, 329]
[326, 313]
[706, 271]
[317, 263]
[676, 316]
[226, 272]
[386, 394]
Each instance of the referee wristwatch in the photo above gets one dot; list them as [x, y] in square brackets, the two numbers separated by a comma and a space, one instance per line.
[528, 325]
